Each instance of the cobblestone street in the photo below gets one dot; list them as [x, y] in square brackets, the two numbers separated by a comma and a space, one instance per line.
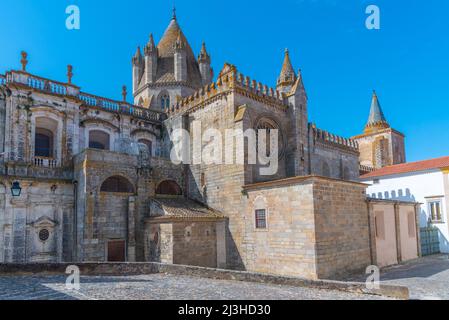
[426, 278]
[158, 287]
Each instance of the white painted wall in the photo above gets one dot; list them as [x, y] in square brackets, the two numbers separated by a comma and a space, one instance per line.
[415, 186]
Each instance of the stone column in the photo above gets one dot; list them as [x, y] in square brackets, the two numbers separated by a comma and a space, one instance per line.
[131, 243]
[398, 231]
[221, 244]
[372, 233]
[418, 229]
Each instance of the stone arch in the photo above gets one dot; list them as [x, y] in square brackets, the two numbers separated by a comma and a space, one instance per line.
[169, 187]
[46, 134]
[99, 139]
[117, 184]
[268, 122]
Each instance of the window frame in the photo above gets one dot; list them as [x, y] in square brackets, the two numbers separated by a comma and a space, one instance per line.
[430, 203]
[257, 219]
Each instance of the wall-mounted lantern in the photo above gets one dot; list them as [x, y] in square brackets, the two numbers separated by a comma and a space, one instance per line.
[16, 189]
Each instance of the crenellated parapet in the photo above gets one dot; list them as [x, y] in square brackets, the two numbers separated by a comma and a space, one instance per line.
[325, 137]
[229, 81]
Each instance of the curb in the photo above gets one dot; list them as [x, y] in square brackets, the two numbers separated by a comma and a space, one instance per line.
[139, 268]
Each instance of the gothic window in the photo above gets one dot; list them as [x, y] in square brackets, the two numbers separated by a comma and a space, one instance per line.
[43, 143]
[117, 184]
[98, 140]
[169, 187]
[165, 101]
[148, 143]
[270, 128]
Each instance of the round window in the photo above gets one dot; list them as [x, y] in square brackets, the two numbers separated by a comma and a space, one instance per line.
[44, 234]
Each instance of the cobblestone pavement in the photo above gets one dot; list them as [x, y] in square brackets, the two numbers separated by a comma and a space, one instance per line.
[427, 278]
[158, 287]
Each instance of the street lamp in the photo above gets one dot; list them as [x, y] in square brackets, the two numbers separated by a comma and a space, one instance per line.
[16, 189]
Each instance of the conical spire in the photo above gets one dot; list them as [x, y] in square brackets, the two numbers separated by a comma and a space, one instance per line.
[298, 86]
[137, 57]
[203, 56]
[376, 118]
[287, 76]
[150, 47]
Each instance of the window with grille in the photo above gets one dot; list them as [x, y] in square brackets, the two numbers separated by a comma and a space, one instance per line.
[261, 219]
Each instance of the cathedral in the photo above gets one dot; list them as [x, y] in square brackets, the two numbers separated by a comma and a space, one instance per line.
[84, 178]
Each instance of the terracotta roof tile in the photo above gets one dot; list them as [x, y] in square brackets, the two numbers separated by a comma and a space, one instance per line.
[182, 208]
[437, 163]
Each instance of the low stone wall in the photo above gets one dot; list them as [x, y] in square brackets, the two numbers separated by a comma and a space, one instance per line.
[125, 269]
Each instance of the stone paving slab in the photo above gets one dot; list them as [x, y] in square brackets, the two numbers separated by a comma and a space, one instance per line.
[427, 278]
[160, 287]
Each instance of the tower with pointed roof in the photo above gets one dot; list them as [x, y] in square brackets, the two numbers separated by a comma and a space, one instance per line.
[168, 71]
[204, 63]
[287, 78]
[380, 145]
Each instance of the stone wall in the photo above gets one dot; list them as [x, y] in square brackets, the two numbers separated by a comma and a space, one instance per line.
[381, 148]
[43, 205]
[95, 209]
[341, 227]
[316, 228]
[185, 243]
[195, 244]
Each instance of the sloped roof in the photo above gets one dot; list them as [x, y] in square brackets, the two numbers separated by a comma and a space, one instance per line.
[182, 208]
[287, 73]
[376, 115]
[437, 163]
[166, 52]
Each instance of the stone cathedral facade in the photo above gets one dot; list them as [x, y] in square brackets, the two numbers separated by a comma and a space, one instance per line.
[97, 182]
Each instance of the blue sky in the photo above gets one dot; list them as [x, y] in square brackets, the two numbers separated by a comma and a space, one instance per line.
[406, 61]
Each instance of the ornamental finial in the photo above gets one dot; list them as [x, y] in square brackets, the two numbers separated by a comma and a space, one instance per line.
[24, 60]
[69, 74]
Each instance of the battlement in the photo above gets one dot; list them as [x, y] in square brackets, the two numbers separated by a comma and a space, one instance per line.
[330, 138]
[229, 80]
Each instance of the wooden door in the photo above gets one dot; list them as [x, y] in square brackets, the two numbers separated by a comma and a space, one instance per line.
[116, 251]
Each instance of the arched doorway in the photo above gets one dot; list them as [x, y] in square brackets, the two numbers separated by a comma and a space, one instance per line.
[169, 187]
[113, 218]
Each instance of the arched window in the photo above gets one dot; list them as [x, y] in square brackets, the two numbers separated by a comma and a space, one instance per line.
[117, 184]
[98, 140]
[270, 127]
[169, 187]
[165, 101]
[43, 143]
[148, 143]
[45, 137]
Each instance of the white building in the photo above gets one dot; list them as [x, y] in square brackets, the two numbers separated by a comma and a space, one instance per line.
[426, 182]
